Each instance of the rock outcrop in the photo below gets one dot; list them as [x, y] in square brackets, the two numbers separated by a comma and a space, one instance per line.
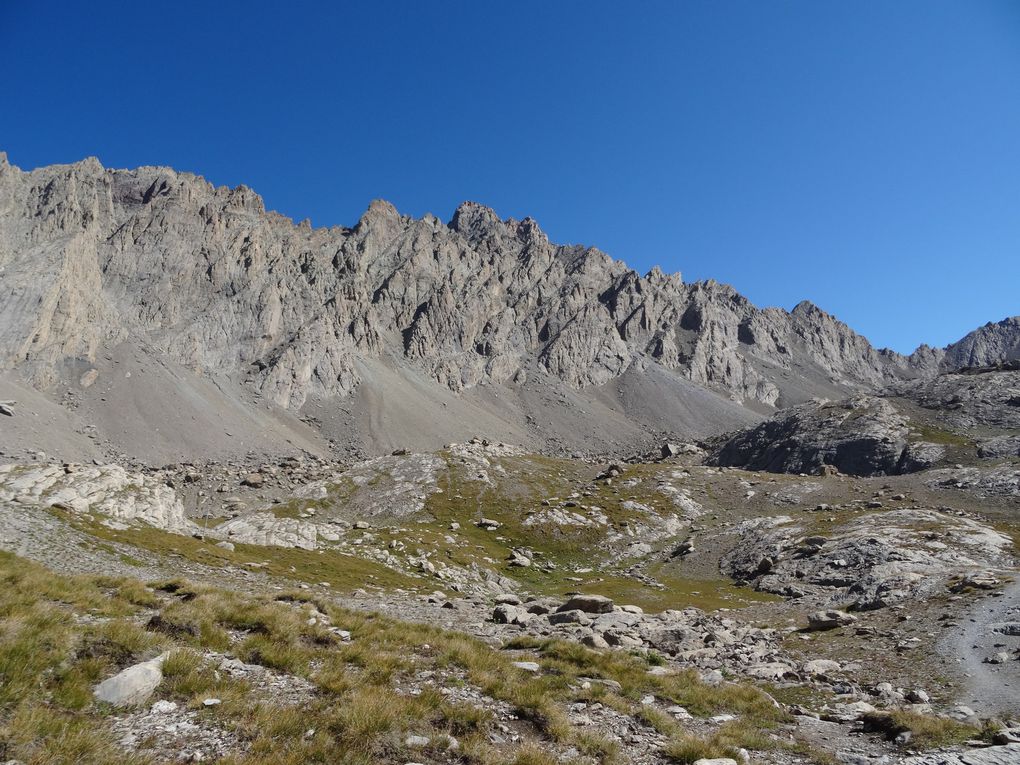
[998, 481]
[875, 560]
[986, 399]
[114, 493]
[266, 529]
[862, 435]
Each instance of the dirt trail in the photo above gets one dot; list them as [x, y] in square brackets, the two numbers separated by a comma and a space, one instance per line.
[991, 689]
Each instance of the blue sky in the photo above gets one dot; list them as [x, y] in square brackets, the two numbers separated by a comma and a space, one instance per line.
[864, 155]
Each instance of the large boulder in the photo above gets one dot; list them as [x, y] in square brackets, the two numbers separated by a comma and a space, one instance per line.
[920, 455]
[591, 604]
[132, 686]
[505, 613]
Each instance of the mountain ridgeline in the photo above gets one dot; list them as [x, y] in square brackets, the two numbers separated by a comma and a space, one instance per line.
[162, 267]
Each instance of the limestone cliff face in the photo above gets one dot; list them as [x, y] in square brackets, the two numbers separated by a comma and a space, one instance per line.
[92, 256]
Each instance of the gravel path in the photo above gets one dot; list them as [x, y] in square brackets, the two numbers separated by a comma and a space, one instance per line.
[991, 689]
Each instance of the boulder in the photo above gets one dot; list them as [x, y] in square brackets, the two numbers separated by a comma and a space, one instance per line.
[821, 667]
[574, 616]
[592, 604]
[132, 686]
[594, 640]
[1001, 446]
[508, 614]
[254, 480]
[920, 455]
[829, 619]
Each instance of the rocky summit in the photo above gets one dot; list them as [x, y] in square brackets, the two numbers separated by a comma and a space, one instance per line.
[437, 492]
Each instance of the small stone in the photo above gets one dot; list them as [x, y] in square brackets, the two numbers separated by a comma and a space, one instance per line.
[528, 666]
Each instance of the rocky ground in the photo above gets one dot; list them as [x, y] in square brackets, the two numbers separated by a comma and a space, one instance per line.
[878, 612]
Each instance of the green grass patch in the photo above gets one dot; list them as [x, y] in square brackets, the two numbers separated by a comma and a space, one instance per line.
[342, 572]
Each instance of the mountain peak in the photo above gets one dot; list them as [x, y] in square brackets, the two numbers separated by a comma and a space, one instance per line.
[806, 308]
[472, 219]
[379, 214]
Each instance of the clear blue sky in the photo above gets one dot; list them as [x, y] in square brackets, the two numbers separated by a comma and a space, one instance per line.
[863, 155]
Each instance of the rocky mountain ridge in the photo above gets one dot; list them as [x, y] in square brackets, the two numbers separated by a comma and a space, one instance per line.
[207, 281]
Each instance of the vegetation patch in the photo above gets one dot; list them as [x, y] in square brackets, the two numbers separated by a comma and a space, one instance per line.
[61, 635]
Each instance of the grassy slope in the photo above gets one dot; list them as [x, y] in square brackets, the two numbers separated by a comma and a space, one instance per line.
[60, 635]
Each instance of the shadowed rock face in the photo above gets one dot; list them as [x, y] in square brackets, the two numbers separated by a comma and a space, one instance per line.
[93, 257]
[862, 435]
